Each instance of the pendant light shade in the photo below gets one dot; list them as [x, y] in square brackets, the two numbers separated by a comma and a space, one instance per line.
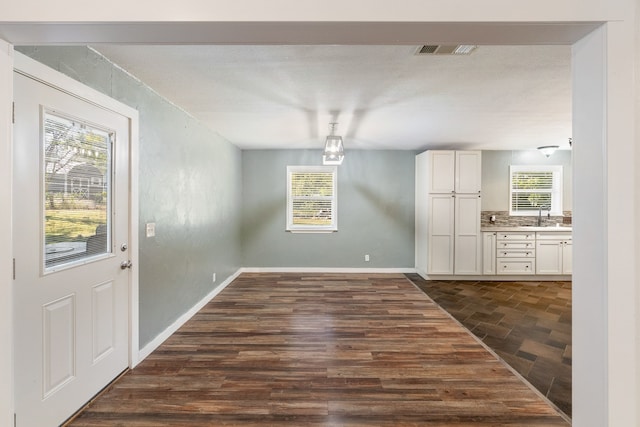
[333, 148]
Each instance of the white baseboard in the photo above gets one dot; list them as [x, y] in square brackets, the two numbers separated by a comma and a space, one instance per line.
[157, 341]
[325, 270]
[498, 277]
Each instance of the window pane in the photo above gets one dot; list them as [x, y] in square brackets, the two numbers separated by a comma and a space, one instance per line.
[532, 181]
[530, 201]
[311, 212]
[77, 190]
[311, 184]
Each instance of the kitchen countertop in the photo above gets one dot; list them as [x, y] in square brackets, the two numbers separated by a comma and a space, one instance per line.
[528, 228]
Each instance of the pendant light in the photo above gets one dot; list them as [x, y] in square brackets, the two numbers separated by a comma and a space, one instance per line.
[333, 147]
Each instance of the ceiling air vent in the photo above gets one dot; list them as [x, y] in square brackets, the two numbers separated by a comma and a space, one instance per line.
[442, 49]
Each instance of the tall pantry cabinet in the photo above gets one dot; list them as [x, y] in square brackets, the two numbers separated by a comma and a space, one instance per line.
[448, 204]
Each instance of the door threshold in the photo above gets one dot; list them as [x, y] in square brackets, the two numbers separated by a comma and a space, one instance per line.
[93, 399]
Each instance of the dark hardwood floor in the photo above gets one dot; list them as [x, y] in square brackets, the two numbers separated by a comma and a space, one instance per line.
[320, 350]
[528, 324]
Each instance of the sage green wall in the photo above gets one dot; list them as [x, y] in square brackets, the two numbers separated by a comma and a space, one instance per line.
[375, 211]
[190, 186]
[495, 175]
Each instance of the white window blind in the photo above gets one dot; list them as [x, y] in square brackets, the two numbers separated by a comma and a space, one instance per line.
[534, 188]
[311, 198]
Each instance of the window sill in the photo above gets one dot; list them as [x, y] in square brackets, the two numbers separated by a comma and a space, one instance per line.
[311, 231]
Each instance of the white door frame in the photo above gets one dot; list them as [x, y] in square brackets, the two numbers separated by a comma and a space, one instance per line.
[55, 79]
[608, 226]
[6, 242]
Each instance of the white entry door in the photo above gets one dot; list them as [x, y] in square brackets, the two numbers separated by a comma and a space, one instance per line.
[71, 231]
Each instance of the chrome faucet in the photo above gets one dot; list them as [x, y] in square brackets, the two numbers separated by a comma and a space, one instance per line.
[540, 213]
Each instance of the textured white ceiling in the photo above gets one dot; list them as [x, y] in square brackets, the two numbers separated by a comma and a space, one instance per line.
[383, 97]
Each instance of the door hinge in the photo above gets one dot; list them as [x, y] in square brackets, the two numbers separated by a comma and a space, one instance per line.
[13, 112]
[15, 421]
[14, 269]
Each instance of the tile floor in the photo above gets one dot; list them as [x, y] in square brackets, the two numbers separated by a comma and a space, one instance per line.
[528, 324]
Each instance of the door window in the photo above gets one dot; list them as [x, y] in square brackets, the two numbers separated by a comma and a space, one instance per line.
[77, 191]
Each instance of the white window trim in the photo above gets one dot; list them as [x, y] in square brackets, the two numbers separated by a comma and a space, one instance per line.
[296, 228]
[556, 193]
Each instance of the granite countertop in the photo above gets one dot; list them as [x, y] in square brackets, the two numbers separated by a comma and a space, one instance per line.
[528, 228]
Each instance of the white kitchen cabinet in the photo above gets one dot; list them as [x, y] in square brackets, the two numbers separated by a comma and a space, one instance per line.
[468, 172]
[567, 257]
[454, 171]
[551, 251]
[489, 252]
[515, 252]
[441, 177]
[448, 236]
[441, 234]
[468, 238]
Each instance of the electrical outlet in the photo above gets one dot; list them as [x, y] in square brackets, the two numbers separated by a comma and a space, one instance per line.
[214, 277]
[366, 257]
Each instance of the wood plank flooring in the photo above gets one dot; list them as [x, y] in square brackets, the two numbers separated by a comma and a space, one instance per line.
[320, 350]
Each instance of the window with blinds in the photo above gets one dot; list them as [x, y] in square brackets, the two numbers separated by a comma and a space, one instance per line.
[534, 188]
[312, 198]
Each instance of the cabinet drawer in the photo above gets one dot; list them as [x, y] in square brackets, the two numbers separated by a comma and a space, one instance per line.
[516, 245]
[554, 235]
[516, 253]
[516, 236]
[516, 266]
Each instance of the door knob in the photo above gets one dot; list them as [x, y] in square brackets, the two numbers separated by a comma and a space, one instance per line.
[125, 264]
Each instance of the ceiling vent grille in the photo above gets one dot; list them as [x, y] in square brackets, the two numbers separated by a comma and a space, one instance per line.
[441, 49]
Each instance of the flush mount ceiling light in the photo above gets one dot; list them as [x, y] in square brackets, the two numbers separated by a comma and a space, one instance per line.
[548, 150]
[333, 147]
[439, 49]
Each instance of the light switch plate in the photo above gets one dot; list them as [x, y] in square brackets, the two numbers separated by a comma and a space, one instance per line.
[151, 229]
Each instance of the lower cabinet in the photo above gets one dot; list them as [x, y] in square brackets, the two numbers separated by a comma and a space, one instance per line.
[515, 253]
[528, 253]
[489, 252]
[516, 266]
[554, 253]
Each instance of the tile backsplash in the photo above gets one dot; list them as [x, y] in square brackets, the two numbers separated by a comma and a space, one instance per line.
[504, 220]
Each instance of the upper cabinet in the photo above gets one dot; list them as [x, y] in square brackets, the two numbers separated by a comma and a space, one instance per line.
[454, 171]
[442, 169]
[468, 172]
